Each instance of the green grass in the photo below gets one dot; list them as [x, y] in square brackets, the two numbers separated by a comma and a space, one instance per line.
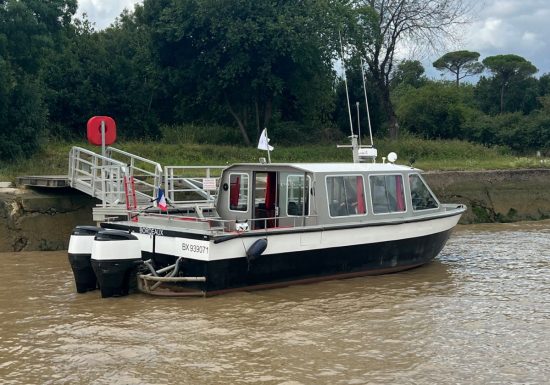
[428, 155]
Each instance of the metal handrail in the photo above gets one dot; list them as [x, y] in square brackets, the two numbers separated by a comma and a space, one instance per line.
[217, 225]
[147, 173]
[186, 184]
[97, 175]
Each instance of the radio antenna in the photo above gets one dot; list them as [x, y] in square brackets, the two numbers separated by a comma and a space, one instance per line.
[366, 101]
[345, 82]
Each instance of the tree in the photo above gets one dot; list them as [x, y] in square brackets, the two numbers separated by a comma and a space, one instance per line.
[385, 25]
[248, 57]
[30, 35]
[507, 69]
[408, 72]
[107, 72]
[521, 95]
[435, 111]
[460, 63]
[544, 85]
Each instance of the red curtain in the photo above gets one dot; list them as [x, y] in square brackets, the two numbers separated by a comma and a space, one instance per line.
[270, 190]
[360, 196]
[399, 192]
[235, 191]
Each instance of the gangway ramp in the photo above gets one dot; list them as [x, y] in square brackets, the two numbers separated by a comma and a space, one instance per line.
[108, 177]
[103, 177]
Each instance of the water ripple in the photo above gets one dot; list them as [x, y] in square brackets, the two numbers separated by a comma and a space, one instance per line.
[480, 314]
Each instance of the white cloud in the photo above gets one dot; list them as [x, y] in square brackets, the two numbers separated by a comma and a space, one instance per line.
[104, 12]
[519, 27]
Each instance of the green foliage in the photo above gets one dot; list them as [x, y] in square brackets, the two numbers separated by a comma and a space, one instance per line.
[437, 110]
[508, 69]
[242, 60]
[103, 73]
[409, 73]
[30, 34]
[22, 115]
[521, 96]
[522, 133]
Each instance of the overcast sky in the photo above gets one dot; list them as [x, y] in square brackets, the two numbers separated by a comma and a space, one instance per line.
[521, 27]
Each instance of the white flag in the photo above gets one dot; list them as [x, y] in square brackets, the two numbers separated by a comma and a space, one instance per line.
[263, 143]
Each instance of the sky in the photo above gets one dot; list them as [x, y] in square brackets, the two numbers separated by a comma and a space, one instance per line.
[520, 27]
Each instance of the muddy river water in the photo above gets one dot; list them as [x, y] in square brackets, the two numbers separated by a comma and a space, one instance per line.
[479, 314]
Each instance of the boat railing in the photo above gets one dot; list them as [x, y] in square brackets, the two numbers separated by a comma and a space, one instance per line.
[97, 175]
[191, 184]
[146, 174]
[229, 226]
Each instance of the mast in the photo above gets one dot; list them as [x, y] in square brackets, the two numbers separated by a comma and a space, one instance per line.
[366, 101]
[354, 146]
[345, 82]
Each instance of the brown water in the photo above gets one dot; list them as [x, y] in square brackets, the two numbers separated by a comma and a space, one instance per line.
[480, 314]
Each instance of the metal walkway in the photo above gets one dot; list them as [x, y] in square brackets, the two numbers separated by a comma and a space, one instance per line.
[50, 181]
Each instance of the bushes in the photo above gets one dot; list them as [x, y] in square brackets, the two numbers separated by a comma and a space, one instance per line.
[522, 133]
[435, 111]
[443, 111]
[22, 118]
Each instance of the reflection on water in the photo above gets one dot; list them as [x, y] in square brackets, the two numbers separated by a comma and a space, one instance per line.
[479, 314]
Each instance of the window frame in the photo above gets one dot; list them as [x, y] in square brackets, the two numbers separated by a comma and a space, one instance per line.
[247, 192]
[430, 191]
[364, 195]
[403, 186]
[308, 194]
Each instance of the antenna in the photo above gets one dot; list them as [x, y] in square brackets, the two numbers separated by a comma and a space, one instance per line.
[358, 124]
[366, 101]
[345, 82]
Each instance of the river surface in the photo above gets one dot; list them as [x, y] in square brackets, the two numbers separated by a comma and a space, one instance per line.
[479, 314]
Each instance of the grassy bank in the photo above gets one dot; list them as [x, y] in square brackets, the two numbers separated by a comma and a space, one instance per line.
[427, 155]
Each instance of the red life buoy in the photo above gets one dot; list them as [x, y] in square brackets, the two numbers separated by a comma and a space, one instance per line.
[94, 130]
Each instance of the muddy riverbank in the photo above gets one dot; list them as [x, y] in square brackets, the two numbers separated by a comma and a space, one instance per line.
[495, 196]
[43, 219]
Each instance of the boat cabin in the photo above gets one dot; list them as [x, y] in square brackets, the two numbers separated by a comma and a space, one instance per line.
[292, 195]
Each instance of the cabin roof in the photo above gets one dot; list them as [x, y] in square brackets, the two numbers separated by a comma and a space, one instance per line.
[329, 167]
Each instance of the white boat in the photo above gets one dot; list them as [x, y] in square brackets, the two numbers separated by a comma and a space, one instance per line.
[274, 224]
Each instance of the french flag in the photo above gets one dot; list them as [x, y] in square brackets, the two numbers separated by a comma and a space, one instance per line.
[161, 200]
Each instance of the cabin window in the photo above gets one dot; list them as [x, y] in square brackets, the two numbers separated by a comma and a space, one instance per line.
[297, 195]
[346, 195]
[387, 194]
[238, 192]
[421, 196]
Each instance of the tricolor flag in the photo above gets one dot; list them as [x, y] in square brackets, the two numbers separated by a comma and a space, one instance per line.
[263, 143]
[161, 200]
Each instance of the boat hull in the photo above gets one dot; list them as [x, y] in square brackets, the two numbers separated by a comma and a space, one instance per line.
[229, 262]
[304, 266]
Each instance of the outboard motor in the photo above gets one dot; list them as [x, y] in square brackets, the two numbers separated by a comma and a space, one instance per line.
[80, 251]
[116, 256]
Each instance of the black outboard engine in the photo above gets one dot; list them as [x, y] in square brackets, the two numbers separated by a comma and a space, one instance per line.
[116, 256]
[80, 251]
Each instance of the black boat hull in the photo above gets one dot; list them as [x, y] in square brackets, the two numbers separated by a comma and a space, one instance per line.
[304, 266]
